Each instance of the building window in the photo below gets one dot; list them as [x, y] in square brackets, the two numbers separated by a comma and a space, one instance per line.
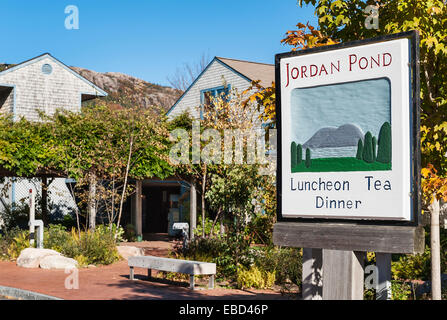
[47, 69]
[207, 97]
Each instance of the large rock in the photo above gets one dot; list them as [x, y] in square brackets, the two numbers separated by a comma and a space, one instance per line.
[58, 262]
[129, 251]
[31, 257]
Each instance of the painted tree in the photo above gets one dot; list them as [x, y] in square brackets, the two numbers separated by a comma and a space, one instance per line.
[368, 148]
[384, 152]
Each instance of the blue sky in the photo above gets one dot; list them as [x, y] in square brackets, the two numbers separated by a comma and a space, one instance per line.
[147, 39]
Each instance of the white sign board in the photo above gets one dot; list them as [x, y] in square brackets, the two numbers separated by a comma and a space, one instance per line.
[346, 122]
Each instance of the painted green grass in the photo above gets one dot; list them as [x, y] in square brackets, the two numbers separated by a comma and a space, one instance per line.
[340, 165]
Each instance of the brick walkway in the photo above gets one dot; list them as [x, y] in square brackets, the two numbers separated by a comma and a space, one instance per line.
[112, 283]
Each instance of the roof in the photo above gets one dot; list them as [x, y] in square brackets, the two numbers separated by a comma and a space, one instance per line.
[99, 92]
[252, 70]
[249, 70]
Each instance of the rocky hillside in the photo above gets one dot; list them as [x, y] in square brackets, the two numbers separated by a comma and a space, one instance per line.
[127, 91]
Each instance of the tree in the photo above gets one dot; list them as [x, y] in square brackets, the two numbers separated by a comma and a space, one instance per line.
[384, 152]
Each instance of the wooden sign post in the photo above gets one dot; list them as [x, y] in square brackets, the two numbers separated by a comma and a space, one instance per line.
[348, 176]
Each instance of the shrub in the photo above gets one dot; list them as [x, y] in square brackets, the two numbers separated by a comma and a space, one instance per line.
[255, 278]
[82, 261]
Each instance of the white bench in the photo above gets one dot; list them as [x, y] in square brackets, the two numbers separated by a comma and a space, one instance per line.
[192, 268]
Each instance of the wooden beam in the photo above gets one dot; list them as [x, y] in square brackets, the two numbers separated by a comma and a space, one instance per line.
[350, 237]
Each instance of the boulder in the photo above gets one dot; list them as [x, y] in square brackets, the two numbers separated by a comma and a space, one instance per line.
[31, 257]
[58, 262]
[129, 251]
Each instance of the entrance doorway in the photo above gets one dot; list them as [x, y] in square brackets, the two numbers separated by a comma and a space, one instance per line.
[156, 207]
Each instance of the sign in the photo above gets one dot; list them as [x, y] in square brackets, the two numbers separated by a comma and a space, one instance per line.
[348, 130]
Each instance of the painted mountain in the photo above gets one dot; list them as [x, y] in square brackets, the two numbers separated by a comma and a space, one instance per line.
[346, 135]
